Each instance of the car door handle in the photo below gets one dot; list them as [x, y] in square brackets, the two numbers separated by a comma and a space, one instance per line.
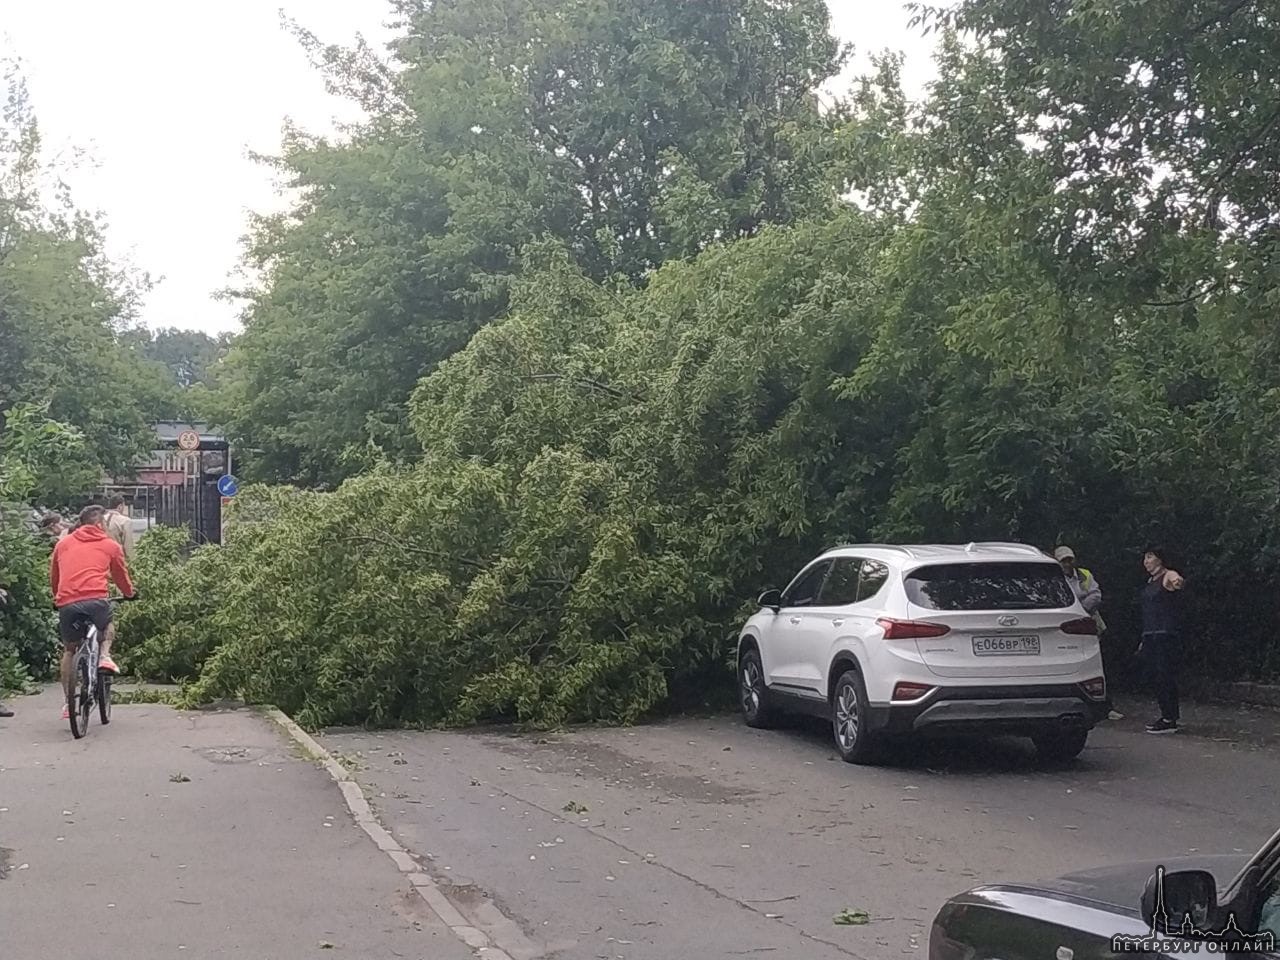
[838, 622]
[795, 619]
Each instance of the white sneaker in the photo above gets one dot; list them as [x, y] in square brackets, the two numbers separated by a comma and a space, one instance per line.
[1115, 715]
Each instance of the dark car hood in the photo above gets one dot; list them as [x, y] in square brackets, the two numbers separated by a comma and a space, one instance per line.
[1121, 886]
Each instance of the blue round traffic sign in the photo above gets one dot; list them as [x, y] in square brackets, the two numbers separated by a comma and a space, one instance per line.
[227, 486]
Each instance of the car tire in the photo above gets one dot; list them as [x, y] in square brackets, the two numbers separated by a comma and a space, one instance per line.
[1060, 747]
[849, 715]
[753, 693]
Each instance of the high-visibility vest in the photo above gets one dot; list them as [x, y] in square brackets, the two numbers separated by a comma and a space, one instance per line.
[1085, 577]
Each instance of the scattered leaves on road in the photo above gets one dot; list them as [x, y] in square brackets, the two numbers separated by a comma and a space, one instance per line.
[851, 918]
[142, 695]
[574, 807]
[179, 778]
[326, 945]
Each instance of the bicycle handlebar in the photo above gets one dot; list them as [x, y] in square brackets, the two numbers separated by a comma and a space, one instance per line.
[136, 596]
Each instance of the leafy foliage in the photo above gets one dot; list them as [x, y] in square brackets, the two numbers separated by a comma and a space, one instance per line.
[62, 310]
[633, 133]
[1048, 319]
[31, 446]
[189, 355]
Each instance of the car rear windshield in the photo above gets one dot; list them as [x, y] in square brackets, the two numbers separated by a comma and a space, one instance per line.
[989, 586]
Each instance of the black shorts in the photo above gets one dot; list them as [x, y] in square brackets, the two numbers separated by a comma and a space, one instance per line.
[74, 618]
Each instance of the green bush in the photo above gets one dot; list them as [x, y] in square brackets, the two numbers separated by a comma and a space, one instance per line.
[159, 638]
[28, 637]
[31, 446]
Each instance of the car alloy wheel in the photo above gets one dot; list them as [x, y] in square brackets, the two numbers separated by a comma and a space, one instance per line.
[855, 741]
[848, 718]
[753, 694]
[752, 683]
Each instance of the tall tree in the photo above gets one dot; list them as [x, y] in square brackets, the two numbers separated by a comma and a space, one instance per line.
[63, 310]
[189, 355]
[633, 133]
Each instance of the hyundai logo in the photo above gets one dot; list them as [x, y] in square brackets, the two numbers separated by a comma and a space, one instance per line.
[1007, 621]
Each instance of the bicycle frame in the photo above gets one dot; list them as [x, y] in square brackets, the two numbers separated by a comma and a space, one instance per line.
[90, 649]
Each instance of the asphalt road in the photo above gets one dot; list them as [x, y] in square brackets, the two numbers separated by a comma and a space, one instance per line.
[703, 838]
[209, 834]
[189, 835]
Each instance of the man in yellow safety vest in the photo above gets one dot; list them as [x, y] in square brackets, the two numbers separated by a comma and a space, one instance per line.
[1087, 591]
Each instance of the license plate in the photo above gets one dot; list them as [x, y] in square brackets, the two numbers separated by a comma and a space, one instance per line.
[1006, 646]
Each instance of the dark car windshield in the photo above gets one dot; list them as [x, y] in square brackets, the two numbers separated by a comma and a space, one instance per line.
[989, 586]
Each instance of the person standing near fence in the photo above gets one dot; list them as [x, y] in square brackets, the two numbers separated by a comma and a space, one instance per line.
[120, 524]
[1162, 634]
[1085, 586]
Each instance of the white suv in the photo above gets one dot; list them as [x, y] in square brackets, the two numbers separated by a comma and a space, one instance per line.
[984, 638]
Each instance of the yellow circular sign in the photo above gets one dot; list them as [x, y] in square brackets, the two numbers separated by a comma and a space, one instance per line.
[188, 440]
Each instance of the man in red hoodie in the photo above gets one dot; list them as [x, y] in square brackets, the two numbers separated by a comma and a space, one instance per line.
[78, 573]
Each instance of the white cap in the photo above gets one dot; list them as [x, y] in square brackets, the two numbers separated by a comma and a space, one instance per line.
[1064, 553]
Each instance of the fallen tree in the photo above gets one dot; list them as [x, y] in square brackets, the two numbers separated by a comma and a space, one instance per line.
[613, 476]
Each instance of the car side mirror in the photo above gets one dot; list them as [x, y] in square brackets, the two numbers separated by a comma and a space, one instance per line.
[771, 599]
[1170, 899]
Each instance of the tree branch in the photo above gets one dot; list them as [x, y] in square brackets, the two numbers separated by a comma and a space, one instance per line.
[1191, 297]
[581, 382]
[406, 548]
[1222, 15]
[1247, 146]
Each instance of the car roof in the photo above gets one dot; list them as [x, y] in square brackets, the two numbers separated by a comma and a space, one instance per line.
[913, 555]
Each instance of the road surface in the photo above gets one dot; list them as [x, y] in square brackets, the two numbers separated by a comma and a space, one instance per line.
[189, 835]
[210, 834]
[703, 838]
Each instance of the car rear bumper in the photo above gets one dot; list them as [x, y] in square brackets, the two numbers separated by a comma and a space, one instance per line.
[1026, 711]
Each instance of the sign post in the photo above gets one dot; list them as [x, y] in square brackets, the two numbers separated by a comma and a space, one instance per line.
[228, 486]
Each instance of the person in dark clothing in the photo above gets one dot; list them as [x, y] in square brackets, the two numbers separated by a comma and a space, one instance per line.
[1162, 635]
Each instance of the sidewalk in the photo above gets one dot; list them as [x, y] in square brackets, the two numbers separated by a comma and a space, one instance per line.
[1247, 724]
[189, 835]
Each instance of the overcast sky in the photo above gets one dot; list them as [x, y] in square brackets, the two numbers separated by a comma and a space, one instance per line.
[168, 99]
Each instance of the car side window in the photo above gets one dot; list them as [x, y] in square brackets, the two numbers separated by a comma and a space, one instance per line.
[1269, 918]
[841, 586]
[874, 576]
[804, 591]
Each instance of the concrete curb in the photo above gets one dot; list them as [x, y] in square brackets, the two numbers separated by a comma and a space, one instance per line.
[422, 883]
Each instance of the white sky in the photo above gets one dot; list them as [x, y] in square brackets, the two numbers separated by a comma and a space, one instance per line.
[168, 99]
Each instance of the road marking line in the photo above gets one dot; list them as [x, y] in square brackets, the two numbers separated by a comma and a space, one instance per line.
[421, 881]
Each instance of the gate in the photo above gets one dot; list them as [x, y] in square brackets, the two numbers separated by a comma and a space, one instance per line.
[195, 505]
[184, 479]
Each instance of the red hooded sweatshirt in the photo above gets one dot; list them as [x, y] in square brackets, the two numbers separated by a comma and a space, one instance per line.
[80, 564]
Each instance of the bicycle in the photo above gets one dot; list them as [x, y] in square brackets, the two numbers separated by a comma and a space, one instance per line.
[83, 693]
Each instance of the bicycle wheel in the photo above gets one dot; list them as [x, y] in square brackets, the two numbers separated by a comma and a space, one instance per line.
[80, 699]
[104, 696]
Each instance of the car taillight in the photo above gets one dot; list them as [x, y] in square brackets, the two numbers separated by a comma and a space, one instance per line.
[910, 691]
[1084, 627]
[911, 629]
[1096, 688]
